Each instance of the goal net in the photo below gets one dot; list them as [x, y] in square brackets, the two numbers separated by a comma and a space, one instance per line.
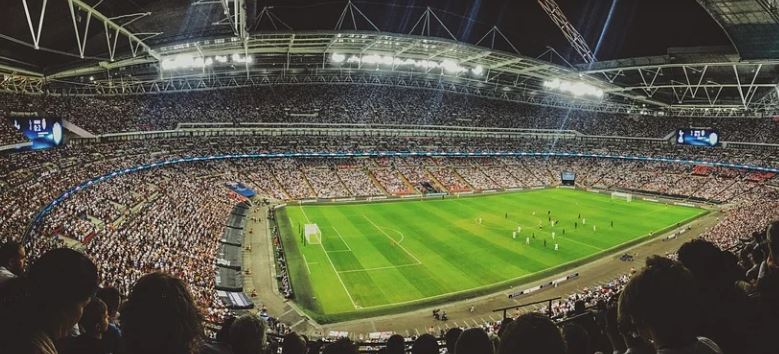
[312, 234]
[623, 196]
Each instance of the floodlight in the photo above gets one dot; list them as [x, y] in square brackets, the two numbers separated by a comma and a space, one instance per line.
[337, 58]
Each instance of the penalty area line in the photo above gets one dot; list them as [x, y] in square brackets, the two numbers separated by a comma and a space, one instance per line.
[392, 239]
[342, 239]
[337, 274]
[380, 268]
[306, 262]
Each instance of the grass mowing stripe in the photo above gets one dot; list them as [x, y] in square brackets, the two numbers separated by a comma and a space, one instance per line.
[379, 268]
[393, 240]
[365, 287]
[420, 279]
[342, 239]
[488, 245]
[436, 242]
[339, 277]
[306, 262]
[332, 265]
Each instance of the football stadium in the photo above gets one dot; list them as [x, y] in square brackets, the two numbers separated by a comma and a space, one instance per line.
[426, 177]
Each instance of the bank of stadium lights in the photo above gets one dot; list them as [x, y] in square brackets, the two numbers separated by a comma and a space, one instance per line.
[186, 61]
[449, 66]
[577, 89]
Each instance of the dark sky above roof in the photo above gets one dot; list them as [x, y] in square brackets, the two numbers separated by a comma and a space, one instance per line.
[617, 28]
[636, 27]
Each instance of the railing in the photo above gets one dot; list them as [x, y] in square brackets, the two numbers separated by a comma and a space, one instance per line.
[517, 307]
[348, 129]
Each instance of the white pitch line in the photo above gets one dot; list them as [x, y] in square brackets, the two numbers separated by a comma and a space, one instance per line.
[306, 262]
[304, 214]
[342, 239]
[584, 244]
[337, 274]
[333, 265]
[393, 240]
[402, 236]
[379, 268]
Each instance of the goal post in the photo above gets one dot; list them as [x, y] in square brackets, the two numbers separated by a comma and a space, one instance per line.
[313, 234]
[622, 196]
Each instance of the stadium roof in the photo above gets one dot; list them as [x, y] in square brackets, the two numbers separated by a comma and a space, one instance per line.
[752, 25]
[86, 46]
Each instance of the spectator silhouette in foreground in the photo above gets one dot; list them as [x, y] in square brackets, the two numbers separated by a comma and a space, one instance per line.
[532, 333]
[341, 346]
[425, 344]
[222, 343]
[396, 344]
[41, 308]
[293, 344]
[160, 317]
[767, 295]
[12, 260]
[93, 324]
[660, 303]
[716, 289]
[576, 339]
[474, 341]
[248, 335]
[451, 339]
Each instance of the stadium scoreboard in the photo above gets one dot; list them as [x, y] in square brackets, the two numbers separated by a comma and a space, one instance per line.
[568, 178]
[42, 132]
[697, 136]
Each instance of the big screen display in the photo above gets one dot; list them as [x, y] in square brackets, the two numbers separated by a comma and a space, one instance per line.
[697, 136]
[568, 176]
[43, 132]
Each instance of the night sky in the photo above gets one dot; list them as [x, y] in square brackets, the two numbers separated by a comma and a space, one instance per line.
[633, 28]
[637, 27]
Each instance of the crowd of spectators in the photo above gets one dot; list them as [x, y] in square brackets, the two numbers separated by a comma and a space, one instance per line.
[282, 273]
[356, 179]
[169, 218]
[354, 104]
[391, 181]
[707, 302]
[33, 179]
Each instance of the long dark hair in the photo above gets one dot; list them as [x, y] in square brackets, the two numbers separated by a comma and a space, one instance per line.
[160, 316]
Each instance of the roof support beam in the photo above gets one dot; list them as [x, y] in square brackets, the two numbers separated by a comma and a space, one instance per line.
[14, 70]
[36, 35]
[507, 62]
[569, 31]
[110, 24]
[681, 65]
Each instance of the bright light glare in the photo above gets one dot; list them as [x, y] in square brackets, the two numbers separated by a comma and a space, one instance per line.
[448, 65]
[188, 61]
[337, 58]
[577, 89]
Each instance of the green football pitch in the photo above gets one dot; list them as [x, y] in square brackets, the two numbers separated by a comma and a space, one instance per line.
[378, 258]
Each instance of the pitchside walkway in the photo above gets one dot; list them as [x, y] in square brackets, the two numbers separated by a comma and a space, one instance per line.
[260, 261]
[262, 279]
